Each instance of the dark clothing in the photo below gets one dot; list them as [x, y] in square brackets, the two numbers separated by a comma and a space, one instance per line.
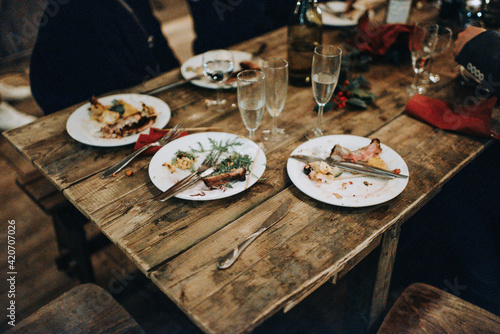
[219, 24]
[90, 47]
[481, 57]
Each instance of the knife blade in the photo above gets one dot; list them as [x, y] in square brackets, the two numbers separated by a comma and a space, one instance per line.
[352, 167]
[172, 85]
[227, 260]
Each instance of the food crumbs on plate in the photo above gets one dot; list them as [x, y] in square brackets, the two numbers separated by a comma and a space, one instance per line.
[397, 171]
[129, 173]
[337, 195]
[366, 183]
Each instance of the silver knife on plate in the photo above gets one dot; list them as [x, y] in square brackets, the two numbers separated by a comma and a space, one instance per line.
[228, 260]
[351, 167]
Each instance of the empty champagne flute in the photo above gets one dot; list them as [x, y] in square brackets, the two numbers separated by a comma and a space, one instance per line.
[422, 42]
[325, 74]
[276, 73]
[251, 99]
[443, 42]
[217, 66]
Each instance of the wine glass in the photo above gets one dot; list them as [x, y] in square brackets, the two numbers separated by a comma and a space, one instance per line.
[443, 42]
[422, 43]
[276, 73]
[325, 74]
[251, 99]
[217, 66]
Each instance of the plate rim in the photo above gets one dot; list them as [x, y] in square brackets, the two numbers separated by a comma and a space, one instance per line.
[206, 135]
[166, 114]
[403, 182]
[352, 23]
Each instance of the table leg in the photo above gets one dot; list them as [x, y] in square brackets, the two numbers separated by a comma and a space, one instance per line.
[384, 273]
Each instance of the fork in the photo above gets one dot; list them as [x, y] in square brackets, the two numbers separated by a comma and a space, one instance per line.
[206, 168]
[174, 133]
[359, 167]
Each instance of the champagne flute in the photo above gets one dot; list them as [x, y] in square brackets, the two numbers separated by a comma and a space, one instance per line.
[251, 99]
[276, 73]
[217, 66]
[325, 74]
[443, 42]
[422, 43]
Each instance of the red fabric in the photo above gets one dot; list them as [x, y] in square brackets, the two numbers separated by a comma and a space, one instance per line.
[154, 135]
[377, 39]
[469, 119]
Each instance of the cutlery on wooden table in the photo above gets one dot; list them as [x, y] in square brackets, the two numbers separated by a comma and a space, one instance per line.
[355, 167]
[172, 85]
[206, 168]
[228, 260]
[171, 135]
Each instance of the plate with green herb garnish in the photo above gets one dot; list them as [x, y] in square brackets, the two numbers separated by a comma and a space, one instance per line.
[183, 156]
[117, 120]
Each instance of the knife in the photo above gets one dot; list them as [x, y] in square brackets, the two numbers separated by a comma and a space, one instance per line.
[172, 85]
[228, 260]
[352, 167]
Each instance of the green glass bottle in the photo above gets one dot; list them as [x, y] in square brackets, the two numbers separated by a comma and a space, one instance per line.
[305, 30]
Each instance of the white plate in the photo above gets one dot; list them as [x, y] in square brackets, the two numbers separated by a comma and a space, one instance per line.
[163, 179]
[193, 67]
[357, 194]
[83, 129]
[334, 21]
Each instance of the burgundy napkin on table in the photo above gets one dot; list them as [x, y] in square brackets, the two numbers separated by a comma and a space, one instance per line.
[377, 39]
[473, 120]
[154, 135]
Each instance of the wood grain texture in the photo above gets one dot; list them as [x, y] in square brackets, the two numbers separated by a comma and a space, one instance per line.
[178, 243]
[84, 309]
[422, 308]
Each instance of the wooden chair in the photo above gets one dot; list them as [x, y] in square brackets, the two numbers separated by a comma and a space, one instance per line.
[424, 309]
[86, 308]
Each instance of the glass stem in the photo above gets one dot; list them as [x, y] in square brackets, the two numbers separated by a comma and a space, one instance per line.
[275, 124]
[251, 134]
[219, 93]
[320, 116]
[415, 80]
[429, 66]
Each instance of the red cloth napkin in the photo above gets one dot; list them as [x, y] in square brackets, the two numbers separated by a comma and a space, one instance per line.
[154, 135]
[377, 39]
[474, 120]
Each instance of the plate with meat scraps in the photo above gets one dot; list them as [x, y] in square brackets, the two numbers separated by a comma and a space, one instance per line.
[82, 128]
[193, 67]
[348, 189]
[198, 146]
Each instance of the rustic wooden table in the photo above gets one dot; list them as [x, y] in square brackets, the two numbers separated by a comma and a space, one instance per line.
[177, 243]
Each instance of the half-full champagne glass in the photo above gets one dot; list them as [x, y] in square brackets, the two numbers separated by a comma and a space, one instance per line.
[217, 66]
[325, 74]
[251, 99]
[276, 72]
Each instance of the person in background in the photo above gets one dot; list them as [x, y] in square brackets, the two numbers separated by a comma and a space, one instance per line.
[219, 24]
[91, 47]
[478, 50]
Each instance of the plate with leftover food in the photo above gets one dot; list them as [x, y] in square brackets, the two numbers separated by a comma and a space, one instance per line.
[240, 165]
[335, 186]
[193, 67]
[337, 20]
[116, 120]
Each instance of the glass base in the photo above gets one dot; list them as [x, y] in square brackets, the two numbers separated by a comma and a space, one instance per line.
[413, 89]
[314, 133]
[219, 106]
[274, 134]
